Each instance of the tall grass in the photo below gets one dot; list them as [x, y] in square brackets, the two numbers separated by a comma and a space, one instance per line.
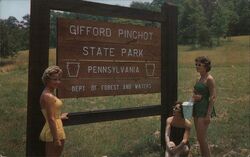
[228, 132]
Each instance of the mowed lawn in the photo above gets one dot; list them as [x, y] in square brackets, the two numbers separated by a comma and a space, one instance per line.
[229, 132]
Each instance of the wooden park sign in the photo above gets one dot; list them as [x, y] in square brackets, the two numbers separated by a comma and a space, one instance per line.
[103, 58]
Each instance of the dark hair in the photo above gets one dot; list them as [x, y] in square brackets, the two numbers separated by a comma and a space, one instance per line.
[204, 60]
[179, 102]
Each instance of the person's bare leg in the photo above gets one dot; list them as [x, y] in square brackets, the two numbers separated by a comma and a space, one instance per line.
[60, 149]
[50, 150]
[54, 151]
[201, 133]
[185, 151]
[171, 146]
[167, 154]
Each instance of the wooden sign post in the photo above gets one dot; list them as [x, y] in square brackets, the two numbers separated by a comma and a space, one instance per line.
[101, 59]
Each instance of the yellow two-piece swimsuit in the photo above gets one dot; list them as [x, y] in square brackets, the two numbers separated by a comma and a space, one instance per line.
[45, 134]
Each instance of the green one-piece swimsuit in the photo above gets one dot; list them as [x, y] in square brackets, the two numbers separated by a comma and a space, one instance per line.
[200, 107]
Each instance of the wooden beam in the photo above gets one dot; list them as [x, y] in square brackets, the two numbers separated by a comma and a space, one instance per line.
[85, 7]
[112, 114]
[169, 64]
[38, 61]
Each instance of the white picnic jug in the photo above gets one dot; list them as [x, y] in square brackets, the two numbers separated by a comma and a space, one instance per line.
[187, 109]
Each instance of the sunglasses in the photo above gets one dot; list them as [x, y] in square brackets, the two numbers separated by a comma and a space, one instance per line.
[198, 64]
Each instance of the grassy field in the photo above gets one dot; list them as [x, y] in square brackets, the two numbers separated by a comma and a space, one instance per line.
[229, 132]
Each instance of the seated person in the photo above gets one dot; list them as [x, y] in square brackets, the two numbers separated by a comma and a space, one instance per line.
[177, 133]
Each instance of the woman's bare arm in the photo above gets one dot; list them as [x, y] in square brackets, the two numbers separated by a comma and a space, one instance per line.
[212, 91]
[50, 110]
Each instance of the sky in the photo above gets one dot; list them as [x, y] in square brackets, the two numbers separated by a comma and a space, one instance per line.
[19, 8]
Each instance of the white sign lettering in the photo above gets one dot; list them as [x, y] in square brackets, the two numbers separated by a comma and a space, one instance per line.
[88, 30]
[78, 88]
[98, 51]
[107, 32]
[132, 52]
[127, 86]
[112, 69]
[143, 86]
[136, 35]
[109, 87]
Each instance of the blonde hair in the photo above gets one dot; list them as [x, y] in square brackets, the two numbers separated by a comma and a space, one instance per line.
[50, 71]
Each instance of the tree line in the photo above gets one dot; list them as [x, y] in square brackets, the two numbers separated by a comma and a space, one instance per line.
[201, 23]
[204, 22]
[14, 35]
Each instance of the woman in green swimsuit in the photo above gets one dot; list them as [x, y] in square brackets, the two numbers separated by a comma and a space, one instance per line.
[204, 97]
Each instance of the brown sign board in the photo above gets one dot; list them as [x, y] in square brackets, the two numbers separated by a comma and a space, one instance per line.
[102, 58]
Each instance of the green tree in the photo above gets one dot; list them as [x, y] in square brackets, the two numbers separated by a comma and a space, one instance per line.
[192, 24]
[208, 8]
[223, 18]
[219, 23]
[4, 45]
[14, 36]
[24, 32]
[9, 37]
[242, 26]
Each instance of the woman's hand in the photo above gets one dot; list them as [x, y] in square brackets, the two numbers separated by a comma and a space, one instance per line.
[64, 116]
[57, 143]
[197, 97]
[171, 147]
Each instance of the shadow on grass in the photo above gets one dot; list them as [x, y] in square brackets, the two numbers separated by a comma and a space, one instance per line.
[149, 147]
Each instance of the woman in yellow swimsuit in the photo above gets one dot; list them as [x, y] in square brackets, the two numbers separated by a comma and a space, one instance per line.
[52, 133]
